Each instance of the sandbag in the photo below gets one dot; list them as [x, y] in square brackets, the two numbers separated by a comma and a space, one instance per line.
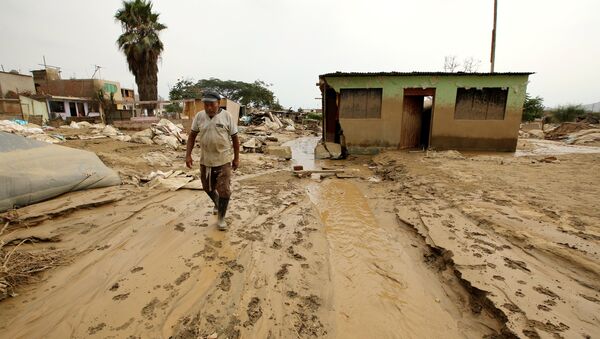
[32, 171]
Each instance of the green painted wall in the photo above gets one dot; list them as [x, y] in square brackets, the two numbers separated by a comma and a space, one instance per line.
[446, 133]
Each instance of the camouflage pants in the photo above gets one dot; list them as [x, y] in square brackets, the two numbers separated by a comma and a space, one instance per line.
[217, 178]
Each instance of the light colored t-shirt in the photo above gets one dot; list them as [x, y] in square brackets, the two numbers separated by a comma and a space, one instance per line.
[214, 137]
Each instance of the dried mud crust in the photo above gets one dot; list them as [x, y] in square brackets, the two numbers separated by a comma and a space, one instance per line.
[504, 228]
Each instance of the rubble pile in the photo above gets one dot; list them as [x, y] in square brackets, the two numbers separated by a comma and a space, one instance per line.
[566, 128]
[163, 132]
[31, 131]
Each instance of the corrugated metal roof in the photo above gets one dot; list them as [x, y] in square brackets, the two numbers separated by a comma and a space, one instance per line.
[371, 74]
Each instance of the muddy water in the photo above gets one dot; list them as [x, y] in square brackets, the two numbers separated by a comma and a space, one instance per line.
[303, 151]
[380, 289]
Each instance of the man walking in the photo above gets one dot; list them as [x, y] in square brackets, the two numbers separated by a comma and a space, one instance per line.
[220, 152]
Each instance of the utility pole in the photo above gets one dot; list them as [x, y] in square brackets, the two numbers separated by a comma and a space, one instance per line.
[493, 56]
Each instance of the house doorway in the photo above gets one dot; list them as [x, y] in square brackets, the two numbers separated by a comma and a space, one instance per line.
[72, 109]
[417, 114]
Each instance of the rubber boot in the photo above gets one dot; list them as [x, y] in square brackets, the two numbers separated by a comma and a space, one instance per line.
[223, 202]
[215, 198]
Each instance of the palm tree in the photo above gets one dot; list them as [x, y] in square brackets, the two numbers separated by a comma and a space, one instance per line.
[141, 45]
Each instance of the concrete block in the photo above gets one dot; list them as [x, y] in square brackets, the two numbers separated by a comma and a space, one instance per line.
[284, 152]
[321, 152]
[334, 149]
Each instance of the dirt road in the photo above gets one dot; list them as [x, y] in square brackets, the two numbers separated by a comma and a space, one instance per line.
[414, 246]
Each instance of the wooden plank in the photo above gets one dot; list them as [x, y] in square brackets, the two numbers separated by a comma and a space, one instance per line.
[497, 103]
[359, 103]
[410, 131]
[419, 91]
[374, 97]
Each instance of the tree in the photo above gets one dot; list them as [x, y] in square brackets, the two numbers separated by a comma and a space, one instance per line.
[451, 64]
[470, 65]
[533, 108]
[141, 45]
[256, 94]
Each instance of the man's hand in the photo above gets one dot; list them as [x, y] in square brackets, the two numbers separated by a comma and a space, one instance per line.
[235, 164]
[189, 162]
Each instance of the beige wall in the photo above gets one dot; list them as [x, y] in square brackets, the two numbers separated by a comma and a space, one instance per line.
[16, 83]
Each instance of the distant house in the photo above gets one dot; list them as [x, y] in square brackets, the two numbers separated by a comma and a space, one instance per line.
[77, 97]
[463, 111]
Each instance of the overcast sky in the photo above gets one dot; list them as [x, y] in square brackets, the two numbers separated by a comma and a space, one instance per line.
[289, 43]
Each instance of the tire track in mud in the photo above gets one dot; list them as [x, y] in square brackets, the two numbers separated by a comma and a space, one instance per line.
[382, 287]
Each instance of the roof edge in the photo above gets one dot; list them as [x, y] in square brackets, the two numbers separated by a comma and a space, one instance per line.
[365, 74]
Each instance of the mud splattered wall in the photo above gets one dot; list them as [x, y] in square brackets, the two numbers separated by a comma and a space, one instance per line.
[446, 132]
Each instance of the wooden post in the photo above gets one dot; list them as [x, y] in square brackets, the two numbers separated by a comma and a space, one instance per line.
[493, 56]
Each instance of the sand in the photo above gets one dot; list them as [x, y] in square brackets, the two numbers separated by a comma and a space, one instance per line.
[485, 245]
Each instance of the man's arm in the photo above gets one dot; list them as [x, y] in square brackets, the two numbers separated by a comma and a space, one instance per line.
[236, 152]
[189, 147]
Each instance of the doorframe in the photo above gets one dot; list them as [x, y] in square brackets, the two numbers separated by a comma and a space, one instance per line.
[424, 92]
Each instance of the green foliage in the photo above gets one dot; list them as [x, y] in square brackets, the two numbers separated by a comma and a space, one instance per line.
[314, 116]
[173, 108]
[533, 108]
[567, 113]
[256, 94]
[140, 44]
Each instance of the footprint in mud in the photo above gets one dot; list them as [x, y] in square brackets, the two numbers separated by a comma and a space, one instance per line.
[125, 325]
[283, 271]
[136, 269]
[103, 248]
[179, 227]
[546, 291]
[276, 244]
[544, 308]
[96, 329]
[120, 297]
[254, 312]
[148, 310]
[516, 265]
[512, 307]
[298, 238]
[225, 284]
[307, 322]
[114, 287]
[183, 277]
[497, 277]
[234, 266]
[294, 254]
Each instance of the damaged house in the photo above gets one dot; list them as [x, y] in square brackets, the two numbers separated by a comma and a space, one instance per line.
[462, 111]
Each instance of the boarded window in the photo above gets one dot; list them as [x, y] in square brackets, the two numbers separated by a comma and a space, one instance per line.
[480, 104]
[360, 103]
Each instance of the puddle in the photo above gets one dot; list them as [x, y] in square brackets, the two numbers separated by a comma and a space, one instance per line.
[303, 151]
[549, 147]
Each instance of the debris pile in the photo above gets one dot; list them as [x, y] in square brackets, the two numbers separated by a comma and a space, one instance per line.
[171, 180]
[566, 128]
[262, 121]
[31, 131]
[163, 132]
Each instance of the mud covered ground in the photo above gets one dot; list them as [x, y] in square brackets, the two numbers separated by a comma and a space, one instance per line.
[412, 245]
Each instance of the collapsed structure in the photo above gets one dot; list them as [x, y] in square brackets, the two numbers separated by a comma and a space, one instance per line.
[463, 111]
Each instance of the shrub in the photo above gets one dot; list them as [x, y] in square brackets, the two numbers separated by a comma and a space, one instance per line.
[567, 113]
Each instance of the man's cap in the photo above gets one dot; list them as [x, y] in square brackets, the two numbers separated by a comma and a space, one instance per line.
[210, 96]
